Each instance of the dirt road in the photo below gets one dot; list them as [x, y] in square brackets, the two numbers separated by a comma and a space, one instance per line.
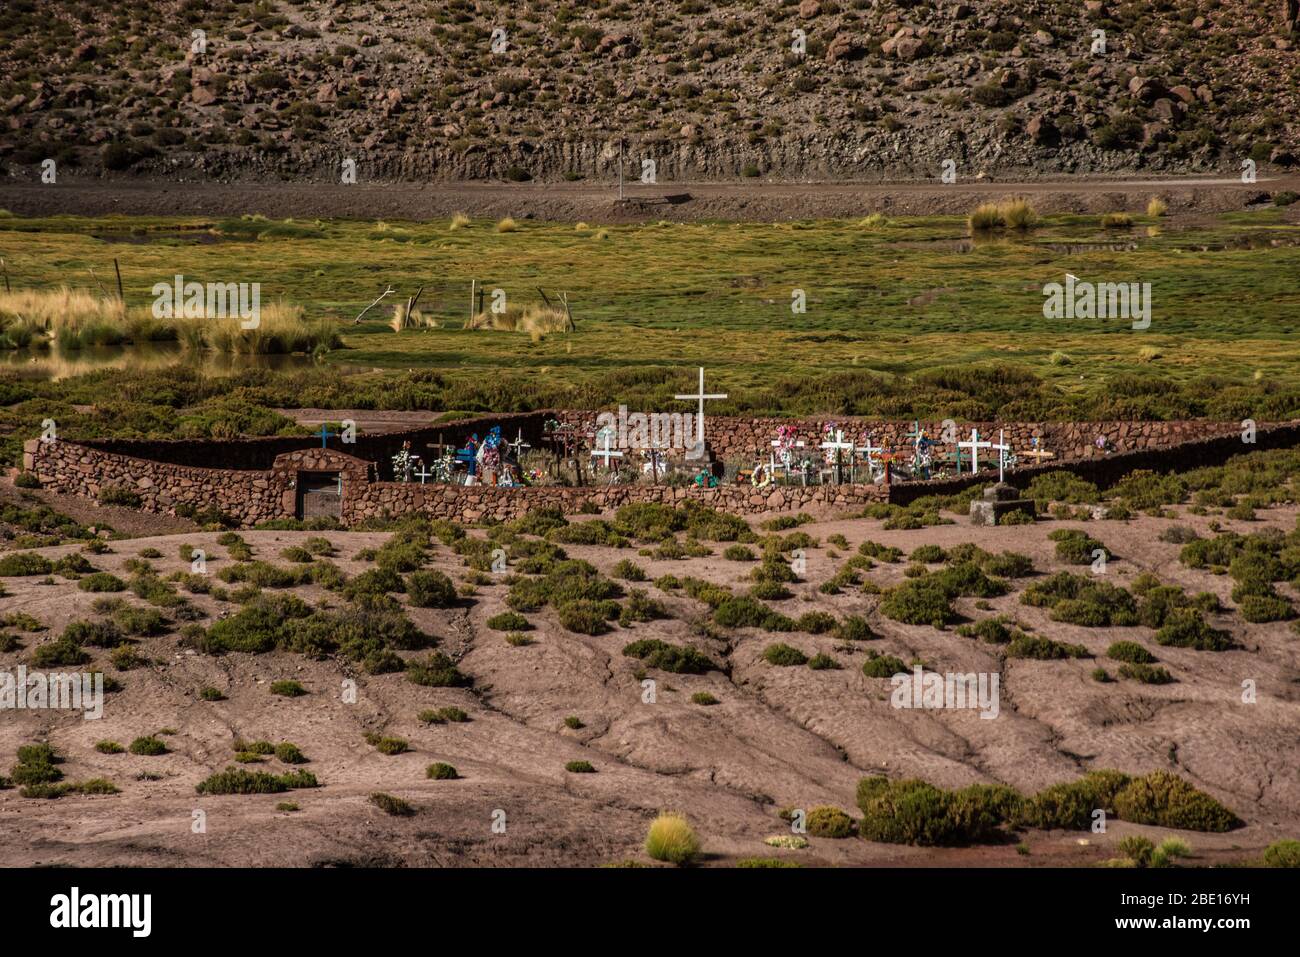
[599, 203]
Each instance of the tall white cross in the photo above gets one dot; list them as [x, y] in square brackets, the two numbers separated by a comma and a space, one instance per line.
[701, 396]
[974, 445]
[839, 445]
[1002, 450]
[605, 451]
[424, 472]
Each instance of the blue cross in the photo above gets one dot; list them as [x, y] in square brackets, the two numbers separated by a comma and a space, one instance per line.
[324, 434]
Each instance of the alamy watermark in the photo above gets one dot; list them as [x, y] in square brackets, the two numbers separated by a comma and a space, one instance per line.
[1080, 299]
[213, 300]
[648, 430]
[930, 689]
[38, 691]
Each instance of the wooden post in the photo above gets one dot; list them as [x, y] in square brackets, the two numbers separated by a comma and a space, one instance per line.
[118, 269]
[410, 305]
[5, 267]
[473, 283]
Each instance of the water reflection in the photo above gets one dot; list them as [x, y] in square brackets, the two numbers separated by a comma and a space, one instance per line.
[56, 364]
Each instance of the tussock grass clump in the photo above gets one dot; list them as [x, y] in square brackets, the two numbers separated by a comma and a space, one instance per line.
[282, 329]
[441, 771]
[534, 319]
[391, 805]
[1157, 207]
[1116, 221]
[671, 838]
[1016, 214]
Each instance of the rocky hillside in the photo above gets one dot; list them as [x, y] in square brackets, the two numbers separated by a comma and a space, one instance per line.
[543, 89]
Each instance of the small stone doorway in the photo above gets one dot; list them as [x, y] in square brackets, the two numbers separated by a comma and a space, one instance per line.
[320, 495]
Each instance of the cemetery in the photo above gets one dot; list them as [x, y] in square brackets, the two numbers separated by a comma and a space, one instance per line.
[501, 467]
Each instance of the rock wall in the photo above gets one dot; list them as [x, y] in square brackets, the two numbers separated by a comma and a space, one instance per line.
[475, 503]
[249, 496]
[257, 495]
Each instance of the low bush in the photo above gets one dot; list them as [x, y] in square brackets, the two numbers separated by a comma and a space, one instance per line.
[1166, 800]
[882, 666]
[678, 659]
[391, 805]
[1131, 652]
[508, 621]
[441, 771]
[430, 589]
[784, 656]
[148, 745]
[826, 821]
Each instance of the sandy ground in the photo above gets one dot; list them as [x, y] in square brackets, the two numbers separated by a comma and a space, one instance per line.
[780, 736]
[568, 202]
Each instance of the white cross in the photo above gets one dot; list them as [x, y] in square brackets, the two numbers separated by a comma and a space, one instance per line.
[701, 396]
[838, 445]
[605, 452]
[870, 449]
[519, 444]
[424, 472]
[974, 445]
[1002, 449]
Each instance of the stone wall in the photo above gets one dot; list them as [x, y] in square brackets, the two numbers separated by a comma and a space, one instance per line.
[249, 496]
[257, 495]
[476, 502]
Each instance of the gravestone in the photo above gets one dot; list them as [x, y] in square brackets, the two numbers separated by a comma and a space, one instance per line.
[1000, 499]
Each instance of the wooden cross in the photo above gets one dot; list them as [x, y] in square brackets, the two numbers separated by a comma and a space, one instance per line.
[974, 445]
[838, 445]
[440, 445]
[1036, 453]
[1002, 450]
[605, 451]
[701, 395]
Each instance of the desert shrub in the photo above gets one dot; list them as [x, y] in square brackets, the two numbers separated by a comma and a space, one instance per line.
[640, 607]
[1284, 853]
[101, 582]
[1185, 628]
[816, 622]
[744, 612]
[141, 622]
[294, 553]
[148, 745]
[738, 553]
[390, 804]
[855, 628]
[587, 617]
[288, 689]
[1166, 800]
[671, 838]
[430, 589]
[580, 767]
[1075, 547]
[1146, 674]
[257, 627]
[1265, 608]
[508, 621]
[783, 655]
[98, 634]
[1080, 600]
[17, 564]
[884, 553]
[1008, 565]
[445, 715]
[882, 666]
[678, 659]
[118, 495]
[907, 812]
[826, 821]
[387, 745]
[1070, 804]
[993, 631]
[1131, 652]
[629, 571]
[1142, 489]
[438, 671]
[108, 747]
[823, 662]
[211, 694]
[928, 554]
[289, 753]
[920, 601]
[707, 592]
[1044, 649]
[1178, 535]
[1137, 849]
[769, 591]
[704, 698]
[441, 771]
[62, 652]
